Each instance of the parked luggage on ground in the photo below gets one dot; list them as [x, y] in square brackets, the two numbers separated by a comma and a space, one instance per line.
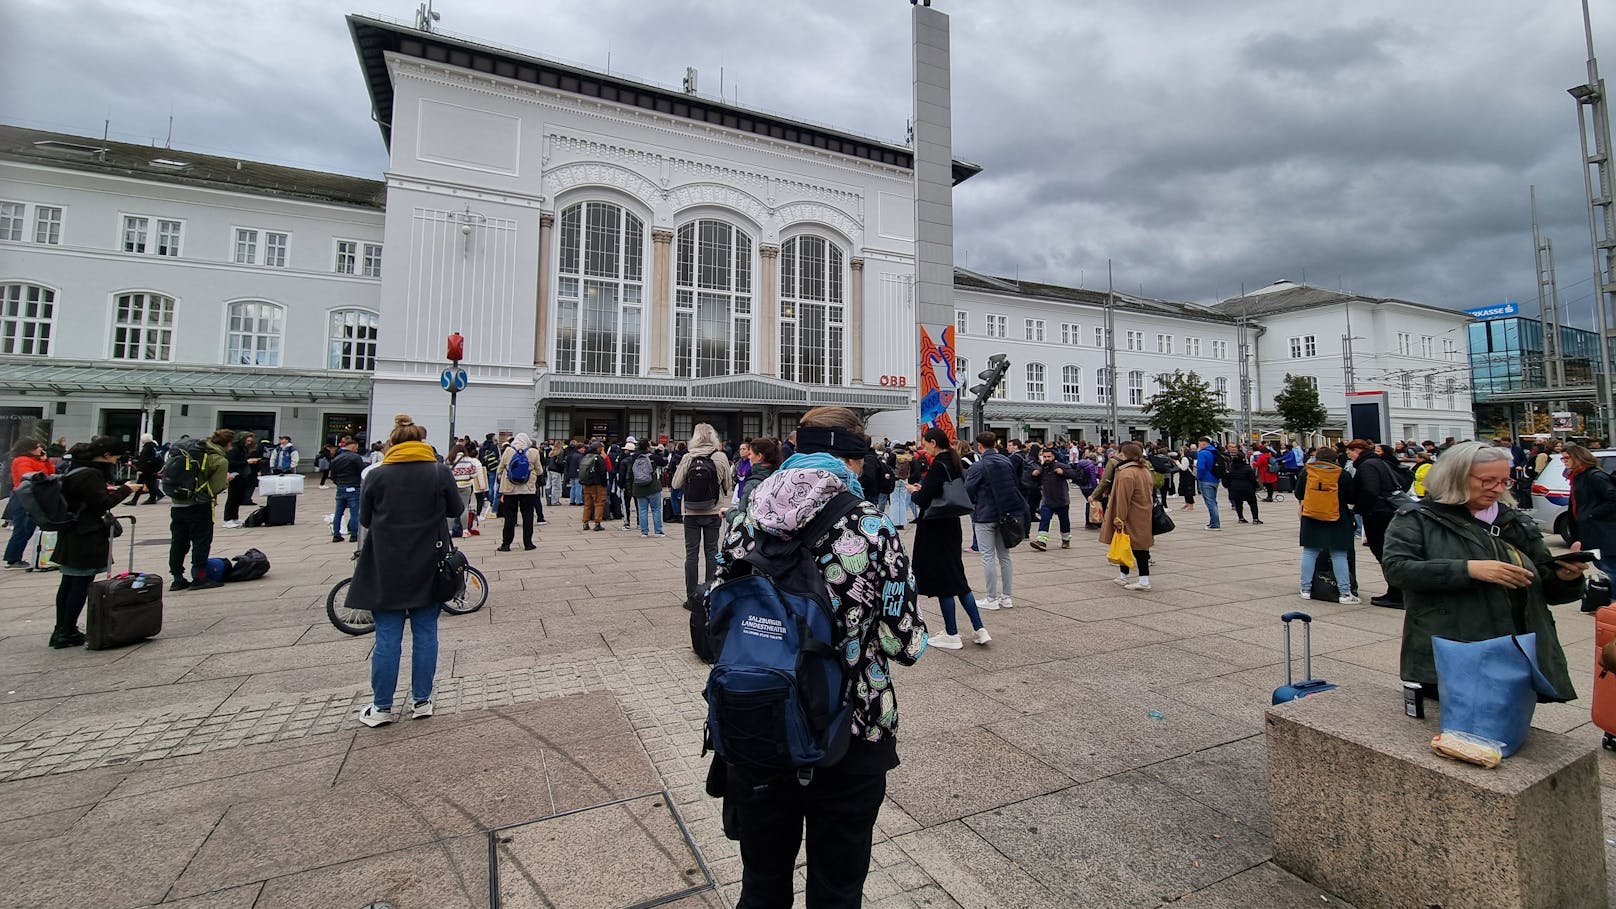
[1324, 587]
[1292, 689]
[282, 510]
[124, 608]
[1604, 701]
[249, 566]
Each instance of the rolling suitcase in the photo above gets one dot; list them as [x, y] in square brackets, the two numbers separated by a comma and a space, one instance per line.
[1293, 690]
[1604, 704]
[125, 608]
[282, 510]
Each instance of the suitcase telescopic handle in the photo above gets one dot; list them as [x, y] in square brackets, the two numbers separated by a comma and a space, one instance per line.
[132, 522]
[1307, 644]
[1288, 617]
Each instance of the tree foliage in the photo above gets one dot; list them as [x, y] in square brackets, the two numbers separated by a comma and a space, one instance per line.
[1185, 407]
[1299, 407]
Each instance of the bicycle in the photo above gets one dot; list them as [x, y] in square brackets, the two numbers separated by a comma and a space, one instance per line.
[473, 596]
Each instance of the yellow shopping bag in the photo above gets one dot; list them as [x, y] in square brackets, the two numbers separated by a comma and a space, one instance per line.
[1121, 552]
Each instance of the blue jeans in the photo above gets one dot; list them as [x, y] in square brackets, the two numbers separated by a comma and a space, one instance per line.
[1338, 563]
[347, 498]
[654, 503]
[677, 496]
[577, 492]
[996, 565]
[493, 490]
[947, 605]
[1209, 493]
[389, 643]
[22, 528]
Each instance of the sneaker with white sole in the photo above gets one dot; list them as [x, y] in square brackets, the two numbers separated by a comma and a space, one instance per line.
[376, 716]
[1348, 600]
[981, 636]
[232, 524]
[1306, 595]
[946, 641]
[1122, 581]
[1006, 603]
[420, 710]
[989, 603]
[1137, 585]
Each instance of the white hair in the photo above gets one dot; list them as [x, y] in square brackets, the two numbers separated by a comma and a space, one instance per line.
[1449, 479]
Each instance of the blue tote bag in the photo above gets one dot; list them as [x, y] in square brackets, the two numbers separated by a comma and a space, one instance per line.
[1490, 688]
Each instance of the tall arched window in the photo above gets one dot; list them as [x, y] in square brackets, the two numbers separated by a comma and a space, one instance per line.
[1136, 388]
[712, 312]
[353, 340]
[27, 313]
[1072, 384]
[253, 337]
[1035, 382]
[811, 311]
[1102, 386]
[599, 290]
[143, 327]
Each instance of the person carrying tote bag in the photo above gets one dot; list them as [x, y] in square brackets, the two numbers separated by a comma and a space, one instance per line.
[938, 566]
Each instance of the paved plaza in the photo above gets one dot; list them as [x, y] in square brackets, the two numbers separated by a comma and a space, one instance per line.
[1106, 748]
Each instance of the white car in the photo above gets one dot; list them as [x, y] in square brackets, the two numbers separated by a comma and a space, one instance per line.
[1551, 493]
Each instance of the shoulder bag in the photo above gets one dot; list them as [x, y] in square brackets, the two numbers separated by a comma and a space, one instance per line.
[1160, 521]
[449, 578]
[951, 501]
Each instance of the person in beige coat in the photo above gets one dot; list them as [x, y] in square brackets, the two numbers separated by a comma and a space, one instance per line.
[1129, 510]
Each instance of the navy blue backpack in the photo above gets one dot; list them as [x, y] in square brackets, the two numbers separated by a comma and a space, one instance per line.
[776, 701]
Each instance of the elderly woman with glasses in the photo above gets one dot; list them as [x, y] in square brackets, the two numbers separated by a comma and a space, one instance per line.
[1472, 567]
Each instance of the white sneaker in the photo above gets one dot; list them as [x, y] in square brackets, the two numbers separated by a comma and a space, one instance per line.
[1349, 600]
[946, 641]
[989, 603]
[1137, 585]
[981, 636]
[1306, 595]
[1122, 580]
[375, 716]
[1004, 603]
[420, 710]
[232, 524]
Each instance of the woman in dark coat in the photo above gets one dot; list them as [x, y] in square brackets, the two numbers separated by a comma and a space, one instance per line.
[1329, 539]
[85, 550]
[1593, 506]
[405, 506]
[938, 566]
[1242, 485]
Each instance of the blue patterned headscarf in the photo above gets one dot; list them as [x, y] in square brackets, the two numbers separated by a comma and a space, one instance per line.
[830, 464]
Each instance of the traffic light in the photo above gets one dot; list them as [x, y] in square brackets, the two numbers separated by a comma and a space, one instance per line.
[998, 365]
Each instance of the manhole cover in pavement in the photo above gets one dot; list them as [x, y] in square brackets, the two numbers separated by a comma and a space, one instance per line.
[630, 853]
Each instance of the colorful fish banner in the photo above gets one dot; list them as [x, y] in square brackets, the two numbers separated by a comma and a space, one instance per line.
[939, 378]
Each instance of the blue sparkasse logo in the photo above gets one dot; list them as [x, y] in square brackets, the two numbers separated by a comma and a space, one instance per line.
[1495, 311]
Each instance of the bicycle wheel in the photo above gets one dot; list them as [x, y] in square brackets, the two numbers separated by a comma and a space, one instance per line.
[473, 594]
[347, 621]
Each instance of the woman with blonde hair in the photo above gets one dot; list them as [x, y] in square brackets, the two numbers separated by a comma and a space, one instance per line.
[405, 506]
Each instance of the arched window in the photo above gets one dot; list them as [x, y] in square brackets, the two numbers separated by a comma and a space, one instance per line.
[353, 340]
[1136, 388]
[811, 311]
[1102, 386]
[712, 314]
[1072, 384]
[599, 287]
[27, 312]
[143, 327]
[254, 334]
[1035, 382]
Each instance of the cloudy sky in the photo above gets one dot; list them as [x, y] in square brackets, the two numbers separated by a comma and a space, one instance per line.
[1381, 146]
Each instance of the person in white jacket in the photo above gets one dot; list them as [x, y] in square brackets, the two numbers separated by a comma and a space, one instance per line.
[471, 478]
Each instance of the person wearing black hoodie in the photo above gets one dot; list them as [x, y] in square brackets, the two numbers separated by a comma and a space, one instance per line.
[1242, 485]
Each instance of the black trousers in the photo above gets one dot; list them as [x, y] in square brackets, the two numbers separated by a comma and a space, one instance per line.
[235, 495]
[1374, 531]
[71, 595]
[1141, 559]
[190, 529]
[838, 810]
[1246, 498]
[701, 536]
[512, 504]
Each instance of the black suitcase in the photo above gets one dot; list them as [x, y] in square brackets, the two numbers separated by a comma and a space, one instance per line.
[668, 517]
[1324, 587]
[282, 511]
[125, 608]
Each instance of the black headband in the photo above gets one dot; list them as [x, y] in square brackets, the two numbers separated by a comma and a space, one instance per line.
[841, 443]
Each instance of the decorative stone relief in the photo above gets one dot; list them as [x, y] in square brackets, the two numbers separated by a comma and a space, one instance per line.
[823, 214]
[719, 195]
[568, 176]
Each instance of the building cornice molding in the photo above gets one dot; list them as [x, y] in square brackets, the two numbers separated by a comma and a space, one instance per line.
[462, 191]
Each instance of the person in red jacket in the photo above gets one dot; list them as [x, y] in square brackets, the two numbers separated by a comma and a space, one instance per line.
[27, 456]
[1266, 474]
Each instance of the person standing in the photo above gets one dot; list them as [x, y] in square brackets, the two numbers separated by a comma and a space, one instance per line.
[405, 508]
[1186, 478]
[1264, 462]
[85, 549]
[285, 457]
[995, 490]
[27, 456]
[594, 473]
[1325, 494]
[518, 488]
[1056, 500]
[645, 484]
[1128, 510]
[190, 520]
[347, 469]
[149, 465]
[1593, 506]
[575, 489]
[939, 566]
[705, 478]
[470, 481]
[1375, 484]
[1241, 481]
[1207, 477]
[243, 465]
[765, 461]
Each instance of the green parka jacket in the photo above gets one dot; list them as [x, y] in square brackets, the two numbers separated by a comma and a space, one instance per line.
[1426, 554]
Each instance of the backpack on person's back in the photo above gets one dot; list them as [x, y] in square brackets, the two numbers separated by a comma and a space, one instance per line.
[184, 477]
[1220, 462]
[643, 473]
[701, 483]
[1321, 498]
[520, 469]
[592, 470]
[44, 499]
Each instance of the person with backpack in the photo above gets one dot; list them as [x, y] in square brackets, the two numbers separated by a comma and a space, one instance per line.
[676, 497]
[645, 484]
[877, 479]
[84, 549]
[1325, 494]
[1211, 465]
[1241, 481]
[1163, 470]
[149, 467]
[622, 461]
[863, 571]
[594, 472]
[27, 456]
[706, 480]
[195, 474]
[1264, 462]
[519, 488]
[995, 491]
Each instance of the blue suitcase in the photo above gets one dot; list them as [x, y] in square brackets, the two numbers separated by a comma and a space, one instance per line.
[1292, 690]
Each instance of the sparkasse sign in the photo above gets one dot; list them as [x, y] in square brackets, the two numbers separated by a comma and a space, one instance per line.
[1496, 311]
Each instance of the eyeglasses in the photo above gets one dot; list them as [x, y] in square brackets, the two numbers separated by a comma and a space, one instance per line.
[1486, 483]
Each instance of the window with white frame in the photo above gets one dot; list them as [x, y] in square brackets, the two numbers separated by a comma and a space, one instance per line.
[352, 340]
[1034, 329]
[246, 246]
[1102, 386]
[1164, 344]
[1192, 347]
[11, 220]
[1449, 349]
[962, 368]
[1136, 340]
[1136, 388]
[371, 265]
[712, 313]
[962, 322]
[274, 249]
[1304, 346]
[1071, 333]
[1405, 343]
[1220, 387]
[168, 238]
[1101, 336]
[253, 334]
[600, 290]
[1220, 350]
[1312, 381]
[143, 327]
[812, 311]
[48, 225]
[1408, 390]
[998, 326]
[347, 257]
[134, 234]
[1427, 347]
[1035, 382]
[27, 312]
[1430, 392]
[1072, 384]
[1451, 390]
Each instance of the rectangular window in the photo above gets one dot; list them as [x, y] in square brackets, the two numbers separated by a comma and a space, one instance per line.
[1405, 343]
[373, 260]
[11, 215]
[1310, 346]
[1102, 386]
[1136, 340]
[1034, 329]
[998, 326]
[1164, 344]
[1220, 350]
[25, 319]
[347, 257]
[274, 249]
[1072, 384]
[1136, 388]
[168, 238]
[1192, 347]
[1427, 346]
[134, 234]
[557, 423]
[1101, 336]
[47, 225]
[1449, 349]
[246, 247]
[1035, 381]
[962, 322]
[1071, 333]
[1221, 389]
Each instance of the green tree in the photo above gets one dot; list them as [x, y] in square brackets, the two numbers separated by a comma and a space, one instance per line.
[1299, 407]
[1185, 407]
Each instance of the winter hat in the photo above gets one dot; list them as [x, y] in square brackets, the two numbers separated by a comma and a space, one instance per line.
[521, 441]
[630, 446]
